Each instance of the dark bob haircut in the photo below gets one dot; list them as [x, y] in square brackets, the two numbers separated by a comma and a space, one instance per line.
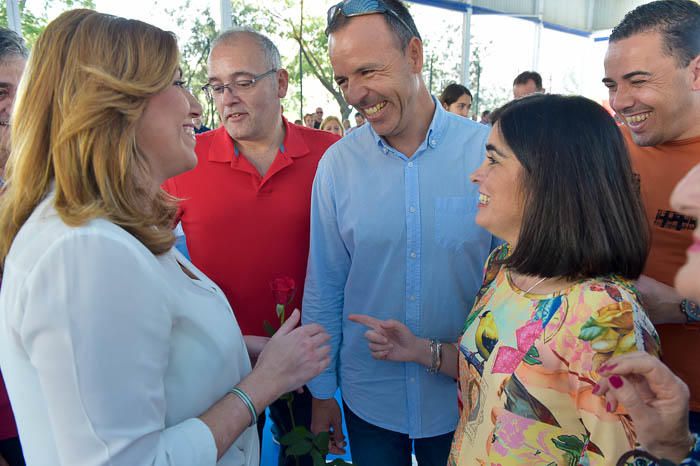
[452, 93]
[583, 216]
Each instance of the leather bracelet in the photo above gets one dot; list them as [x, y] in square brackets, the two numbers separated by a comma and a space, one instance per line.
[249, 404]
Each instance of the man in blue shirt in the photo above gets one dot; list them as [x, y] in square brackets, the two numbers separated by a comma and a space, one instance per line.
[392, 236]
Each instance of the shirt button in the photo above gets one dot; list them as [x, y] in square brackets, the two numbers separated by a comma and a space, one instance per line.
[410, 164]
[413, 255]
[433, 143]
[412, 298]
[412, 209]
[413, 379]
[386, 151]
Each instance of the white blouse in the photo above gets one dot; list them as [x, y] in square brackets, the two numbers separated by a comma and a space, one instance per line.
[110, 353]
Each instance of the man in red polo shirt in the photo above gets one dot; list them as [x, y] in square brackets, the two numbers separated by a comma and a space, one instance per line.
[245, 207]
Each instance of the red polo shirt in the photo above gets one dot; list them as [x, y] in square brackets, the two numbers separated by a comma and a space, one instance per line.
[243, 230]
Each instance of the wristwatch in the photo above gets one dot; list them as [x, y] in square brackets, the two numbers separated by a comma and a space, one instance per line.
[691, 310]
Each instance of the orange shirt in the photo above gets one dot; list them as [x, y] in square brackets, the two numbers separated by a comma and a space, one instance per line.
[659, 169]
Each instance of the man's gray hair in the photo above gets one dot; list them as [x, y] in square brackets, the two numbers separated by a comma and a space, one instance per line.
[270, 51]
[11, 45]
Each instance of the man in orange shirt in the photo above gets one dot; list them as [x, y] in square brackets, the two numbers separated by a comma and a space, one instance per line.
[652, 71]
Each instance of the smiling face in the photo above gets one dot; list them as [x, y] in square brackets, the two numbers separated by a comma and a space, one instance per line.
[375, 75]
[657, 99]
[460, 106]
[165, 132]
[501, 200]
[10, 73]
[686, 200]
[250, 114]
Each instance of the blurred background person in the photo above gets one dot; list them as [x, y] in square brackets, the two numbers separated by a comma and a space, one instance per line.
[115, 348]
[526, 83]
[309, 120]
[457, 99]
[485, 117]
[332, 125]
[318, 117]
[13, 56]
[346, 125]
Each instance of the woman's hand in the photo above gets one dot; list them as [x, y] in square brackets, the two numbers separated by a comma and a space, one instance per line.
[293, 356]
[255, 346]
[390, 339]
[656, 400]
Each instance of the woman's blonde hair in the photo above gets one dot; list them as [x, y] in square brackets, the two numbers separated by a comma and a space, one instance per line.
[333, 119]
[86, 85]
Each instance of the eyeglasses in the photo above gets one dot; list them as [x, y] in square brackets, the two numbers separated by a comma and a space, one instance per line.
[241, 84]
[350, 8]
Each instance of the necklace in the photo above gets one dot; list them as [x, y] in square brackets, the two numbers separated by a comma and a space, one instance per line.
[539, 282]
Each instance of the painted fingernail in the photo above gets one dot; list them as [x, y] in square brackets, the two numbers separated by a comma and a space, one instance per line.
[616, 381]
[596, 389]
[606, 367]
[608, 407]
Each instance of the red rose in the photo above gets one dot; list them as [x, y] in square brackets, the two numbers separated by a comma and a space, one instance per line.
[283, 289]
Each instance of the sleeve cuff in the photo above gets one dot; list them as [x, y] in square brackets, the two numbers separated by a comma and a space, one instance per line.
[190, 443]
[324, 386]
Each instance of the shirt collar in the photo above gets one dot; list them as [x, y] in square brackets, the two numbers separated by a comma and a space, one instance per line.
[433, 136]
[223, 147]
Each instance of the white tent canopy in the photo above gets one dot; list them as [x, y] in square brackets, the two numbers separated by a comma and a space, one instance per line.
[579, 17]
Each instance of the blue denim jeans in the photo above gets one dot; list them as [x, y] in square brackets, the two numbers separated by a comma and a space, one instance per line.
[374, 446]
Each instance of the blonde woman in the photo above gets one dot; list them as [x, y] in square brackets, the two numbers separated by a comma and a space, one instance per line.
[333, 125]
[116, 350]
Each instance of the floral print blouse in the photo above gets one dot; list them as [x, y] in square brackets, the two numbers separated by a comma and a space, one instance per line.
[528, 364]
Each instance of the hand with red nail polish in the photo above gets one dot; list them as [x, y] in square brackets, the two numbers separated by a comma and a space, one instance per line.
[655, 399]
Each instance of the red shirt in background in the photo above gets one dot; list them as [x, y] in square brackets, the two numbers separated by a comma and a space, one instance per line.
[8, 429]
[244, 230]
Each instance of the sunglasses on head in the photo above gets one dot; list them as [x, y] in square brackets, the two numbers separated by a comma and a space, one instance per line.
[350, 8]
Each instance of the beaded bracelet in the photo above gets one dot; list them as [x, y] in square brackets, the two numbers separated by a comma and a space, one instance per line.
[249, 404]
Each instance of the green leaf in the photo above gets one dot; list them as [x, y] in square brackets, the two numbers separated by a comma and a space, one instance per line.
[590, 330]
[531, 357]
[280, 311]
[269, 329]
[321, 442]
[299, 448]
[570, 444]
[294, 436]
[318, 458]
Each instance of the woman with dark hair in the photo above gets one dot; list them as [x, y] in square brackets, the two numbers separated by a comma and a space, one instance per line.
[456, 99]
[557, 299]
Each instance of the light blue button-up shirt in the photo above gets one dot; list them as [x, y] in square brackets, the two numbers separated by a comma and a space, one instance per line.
[394, 237]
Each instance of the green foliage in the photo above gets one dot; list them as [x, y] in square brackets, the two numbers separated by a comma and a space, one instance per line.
[314, 58]
[32, 24]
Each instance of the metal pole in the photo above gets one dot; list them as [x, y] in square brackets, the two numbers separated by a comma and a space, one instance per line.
[430, 78]
[225, 20]
[466, 40]
[301, 62]
[14, 19]
[538, 35]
